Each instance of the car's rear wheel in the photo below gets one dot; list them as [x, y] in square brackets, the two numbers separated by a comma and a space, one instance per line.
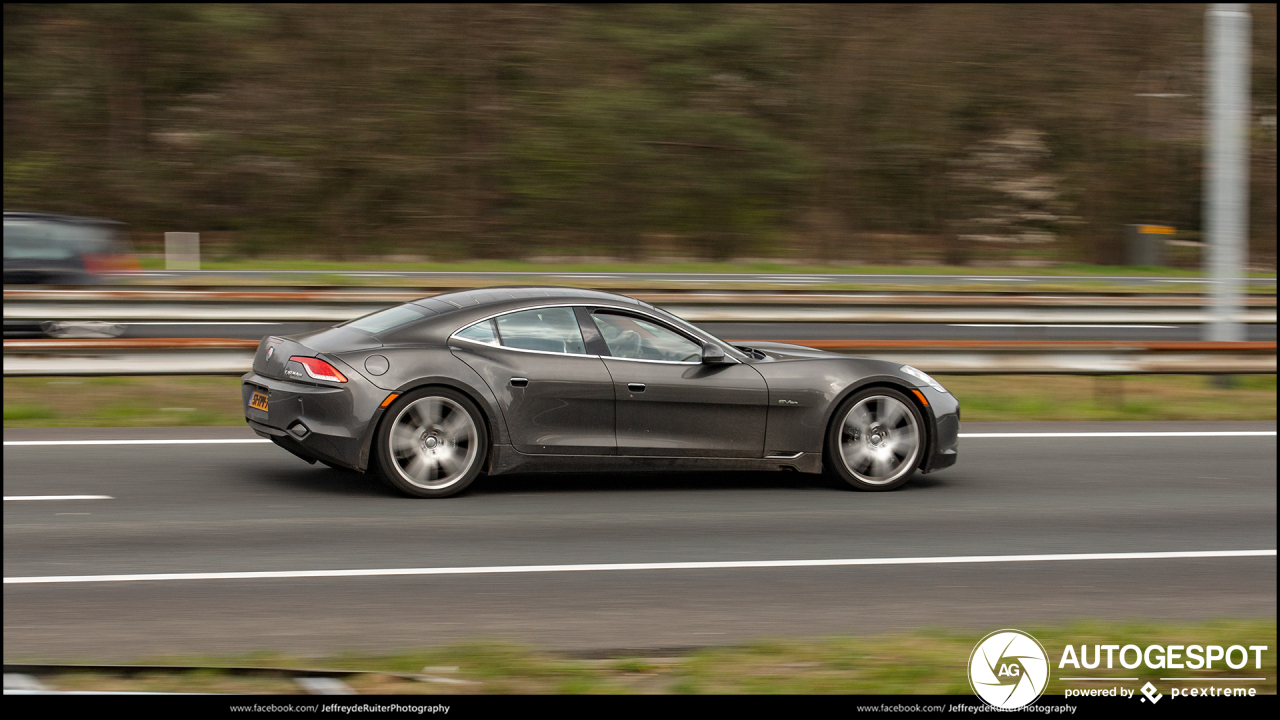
[432, 443]
[876, 439]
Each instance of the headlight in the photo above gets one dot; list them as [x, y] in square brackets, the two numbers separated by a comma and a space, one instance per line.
[923, 377]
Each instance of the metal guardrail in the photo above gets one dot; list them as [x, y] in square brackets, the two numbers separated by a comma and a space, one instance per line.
[336, 306]
[947, 357]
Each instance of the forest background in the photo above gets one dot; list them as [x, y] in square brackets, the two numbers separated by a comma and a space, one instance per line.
[899, 134]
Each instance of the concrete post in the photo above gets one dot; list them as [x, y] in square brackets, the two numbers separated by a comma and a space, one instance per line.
[181, 251]
[1226, 182]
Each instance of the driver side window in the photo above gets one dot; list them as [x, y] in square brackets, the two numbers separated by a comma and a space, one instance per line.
[636, 339]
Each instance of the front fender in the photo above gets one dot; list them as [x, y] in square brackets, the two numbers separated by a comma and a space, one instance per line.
[804, 394]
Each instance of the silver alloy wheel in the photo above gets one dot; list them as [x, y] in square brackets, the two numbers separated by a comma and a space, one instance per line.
[880, 440]
[433, 442]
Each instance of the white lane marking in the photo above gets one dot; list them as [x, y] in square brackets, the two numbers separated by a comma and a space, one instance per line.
[7, 443]
[7, 498]
[599, 567]
[16, 681]
[1194, 433]
[324, 686]
[1061, 325]
[91, 692]
[1223, 433]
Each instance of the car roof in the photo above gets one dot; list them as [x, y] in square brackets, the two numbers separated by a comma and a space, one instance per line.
[50, 217]
[511, 297]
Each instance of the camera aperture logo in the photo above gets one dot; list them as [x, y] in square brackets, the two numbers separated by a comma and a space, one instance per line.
[1008, 669]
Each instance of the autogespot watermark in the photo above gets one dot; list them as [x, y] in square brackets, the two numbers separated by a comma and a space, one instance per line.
[1169, 658]
[1009, 670]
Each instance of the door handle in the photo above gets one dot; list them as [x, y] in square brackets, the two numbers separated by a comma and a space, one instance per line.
[635, 387]
[519, 382]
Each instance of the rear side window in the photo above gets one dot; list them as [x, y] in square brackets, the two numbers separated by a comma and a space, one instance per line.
[545, 329]
[385, 320]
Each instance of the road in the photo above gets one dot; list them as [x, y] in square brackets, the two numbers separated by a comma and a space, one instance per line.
[775, 331]
[249, 506]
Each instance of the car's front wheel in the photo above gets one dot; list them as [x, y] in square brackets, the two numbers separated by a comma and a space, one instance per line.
[875, 439]
[432, 443]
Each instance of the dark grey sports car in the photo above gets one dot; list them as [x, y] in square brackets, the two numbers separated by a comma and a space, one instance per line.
[432, 393]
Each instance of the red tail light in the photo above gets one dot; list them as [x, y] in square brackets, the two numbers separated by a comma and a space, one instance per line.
[97, 263]
[319, 369]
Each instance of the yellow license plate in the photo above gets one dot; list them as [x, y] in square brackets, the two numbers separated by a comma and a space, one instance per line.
[258, 401]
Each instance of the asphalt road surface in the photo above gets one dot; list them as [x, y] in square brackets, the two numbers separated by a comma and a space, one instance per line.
[251, 507]
[776, 331]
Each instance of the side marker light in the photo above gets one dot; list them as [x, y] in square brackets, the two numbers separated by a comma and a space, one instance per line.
[390, 399]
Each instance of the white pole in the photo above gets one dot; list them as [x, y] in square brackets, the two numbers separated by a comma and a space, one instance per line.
[181, 251]
[1226, 181]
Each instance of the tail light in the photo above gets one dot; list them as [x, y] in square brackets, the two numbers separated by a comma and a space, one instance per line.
[98, 263]
[319, 369]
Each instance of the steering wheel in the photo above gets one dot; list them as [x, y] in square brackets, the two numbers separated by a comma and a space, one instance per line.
[628, 344]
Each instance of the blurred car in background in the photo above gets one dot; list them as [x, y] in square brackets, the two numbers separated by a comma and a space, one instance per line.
[42, 249]
[45, 249]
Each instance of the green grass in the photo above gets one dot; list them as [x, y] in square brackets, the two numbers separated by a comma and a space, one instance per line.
[1090, 278]
[162, 401]
[987, 398]
[921, 662]
[168, 401]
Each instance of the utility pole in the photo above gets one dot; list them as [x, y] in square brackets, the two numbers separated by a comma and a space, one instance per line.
[1226, 179]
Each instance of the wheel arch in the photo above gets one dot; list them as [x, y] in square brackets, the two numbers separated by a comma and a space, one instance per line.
[894, 384]
[476, 398]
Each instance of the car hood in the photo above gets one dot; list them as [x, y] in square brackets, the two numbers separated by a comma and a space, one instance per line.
[787, 351]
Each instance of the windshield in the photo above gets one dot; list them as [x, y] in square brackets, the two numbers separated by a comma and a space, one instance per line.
[695, 331]
[44, 240]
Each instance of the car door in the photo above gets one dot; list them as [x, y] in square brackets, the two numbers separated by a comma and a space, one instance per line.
[671, 404]
[556, 398]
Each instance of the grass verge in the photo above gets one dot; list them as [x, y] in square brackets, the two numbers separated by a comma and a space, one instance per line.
[989, 398]
[1082, 277]
[922, 662]
[148, 401]
[166, 401]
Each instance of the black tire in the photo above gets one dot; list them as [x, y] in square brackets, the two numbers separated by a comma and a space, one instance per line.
[876, 440]
[431, 443]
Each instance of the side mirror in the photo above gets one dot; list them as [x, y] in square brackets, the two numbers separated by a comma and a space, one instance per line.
[712, 354]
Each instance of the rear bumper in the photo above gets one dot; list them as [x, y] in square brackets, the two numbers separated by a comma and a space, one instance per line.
[330, 423]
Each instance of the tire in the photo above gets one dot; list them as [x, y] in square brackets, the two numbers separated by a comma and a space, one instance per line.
[876, 440]
[432, 443]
